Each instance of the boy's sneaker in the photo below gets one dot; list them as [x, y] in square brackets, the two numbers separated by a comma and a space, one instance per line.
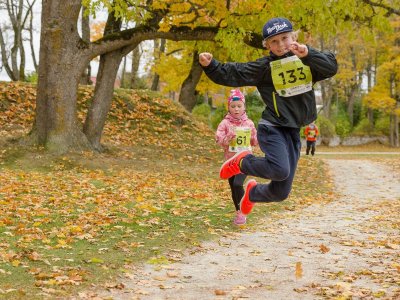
[231, 166]
[240, 219]
[245, 204]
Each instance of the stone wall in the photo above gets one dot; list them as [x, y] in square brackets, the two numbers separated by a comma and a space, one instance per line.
[352, 140]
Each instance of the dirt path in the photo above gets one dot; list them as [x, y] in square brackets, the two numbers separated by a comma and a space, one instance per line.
[348, 248]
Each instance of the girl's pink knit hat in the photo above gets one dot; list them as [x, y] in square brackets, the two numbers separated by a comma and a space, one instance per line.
[236, 95]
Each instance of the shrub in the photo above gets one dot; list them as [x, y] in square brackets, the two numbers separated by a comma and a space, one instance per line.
[363, 128]
[32, 77]
[254, 99]
[382, 125]
[342, 125]
[254, 114]
[202, 112]
[217, 116]
[325, 126]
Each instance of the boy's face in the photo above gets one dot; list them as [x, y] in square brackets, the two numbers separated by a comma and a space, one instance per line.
[236, 108]
[279, 44]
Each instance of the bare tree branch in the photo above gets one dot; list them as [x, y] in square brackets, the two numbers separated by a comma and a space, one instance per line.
[390, 10]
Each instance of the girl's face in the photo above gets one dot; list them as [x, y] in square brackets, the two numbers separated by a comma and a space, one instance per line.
[280, 43]
[236, 108]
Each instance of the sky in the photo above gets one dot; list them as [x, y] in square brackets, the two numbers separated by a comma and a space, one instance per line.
[5, 21]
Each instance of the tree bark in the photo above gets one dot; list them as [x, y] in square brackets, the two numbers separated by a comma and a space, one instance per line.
[60, 68]
[158, 49]
[102, 98]
[85, 78]
[135, 66]
[351, 99]
[4, 58]
[187, 96]
[33, 53]
[326, 94]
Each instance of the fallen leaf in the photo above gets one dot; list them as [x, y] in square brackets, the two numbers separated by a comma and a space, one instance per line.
[219, 292]
[324, 249]
[299, 270]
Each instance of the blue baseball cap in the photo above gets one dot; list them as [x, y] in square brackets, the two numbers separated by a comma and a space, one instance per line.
[276, 26]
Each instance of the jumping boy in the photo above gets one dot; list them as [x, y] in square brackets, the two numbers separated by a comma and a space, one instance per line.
[285, 81]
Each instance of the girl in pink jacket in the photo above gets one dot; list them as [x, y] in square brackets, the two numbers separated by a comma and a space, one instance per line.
[236, 133]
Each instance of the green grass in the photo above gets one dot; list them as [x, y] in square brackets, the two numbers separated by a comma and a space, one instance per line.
[185, 213]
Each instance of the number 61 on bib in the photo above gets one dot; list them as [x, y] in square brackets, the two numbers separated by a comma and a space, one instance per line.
[242, 140]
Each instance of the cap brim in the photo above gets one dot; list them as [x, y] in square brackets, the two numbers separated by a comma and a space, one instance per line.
[283, 31]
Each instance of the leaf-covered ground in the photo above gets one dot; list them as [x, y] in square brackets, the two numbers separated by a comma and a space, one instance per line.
[345, 249]
[77, 221]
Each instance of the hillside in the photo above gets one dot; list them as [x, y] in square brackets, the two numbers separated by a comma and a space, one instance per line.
[137, 118]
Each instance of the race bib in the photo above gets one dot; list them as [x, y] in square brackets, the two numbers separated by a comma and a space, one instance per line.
[311, 133]
[290, 76]
[242, 140]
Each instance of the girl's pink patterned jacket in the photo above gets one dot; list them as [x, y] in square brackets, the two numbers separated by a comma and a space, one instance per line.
[225, 132]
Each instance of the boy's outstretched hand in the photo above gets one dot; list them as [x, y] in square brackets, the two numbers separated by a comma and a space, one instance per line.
[205, 58]
[299, 50]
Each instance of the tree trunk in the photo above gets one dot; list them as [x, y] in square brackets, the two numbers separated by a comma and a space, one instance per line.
[60, 68]
[135, 65]
[157, 55]
[33, 53]
[21, 71]
[102, 99]
[123, 73]
[326, 94]
[187, 96]
[85, 78]
[4, 57]
[370, 112]
[351, 99]
[394, 119]
[396, 131]
[156, 78]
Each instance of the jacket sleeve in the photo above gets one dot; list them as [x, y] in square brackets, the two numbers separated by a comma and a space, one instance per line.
[223, 135]
[236, 74]
[323, 65]
[253, 139]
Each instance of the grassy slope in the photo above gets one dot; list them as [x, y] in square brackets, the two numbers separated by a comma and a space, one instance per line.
[81, 219]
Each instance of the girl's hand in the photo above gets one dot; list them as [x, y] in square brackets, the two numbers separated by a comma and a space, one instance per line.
[299, 50]
[205, 58]
[231, 134]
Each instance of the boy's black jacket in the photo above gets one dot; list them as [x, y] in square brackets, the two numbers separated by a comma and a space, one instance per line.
[295, 111]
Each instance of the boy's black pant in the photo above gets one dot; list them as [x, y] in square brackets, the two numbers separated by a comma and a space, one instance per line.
[281, 146]
[310, 145]
[236, 184]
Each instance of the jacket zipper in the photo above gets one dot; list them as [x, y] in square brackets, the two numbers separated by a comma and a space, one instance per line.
[275, 104]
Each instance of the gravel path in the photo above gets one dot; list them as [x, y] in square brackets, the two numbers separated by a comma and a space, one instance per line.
[347, 249]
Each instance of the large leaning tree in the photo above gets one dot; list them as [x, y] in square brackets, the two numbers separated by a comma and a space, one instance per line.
[64, 56]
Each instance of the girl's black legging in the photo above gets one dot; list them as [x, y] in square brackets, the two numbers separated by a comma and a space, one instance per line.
[236, 183]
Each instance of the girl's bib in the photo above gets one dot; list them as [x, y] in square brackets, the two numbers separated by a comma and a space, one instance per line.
[242, 140]
[290, 76]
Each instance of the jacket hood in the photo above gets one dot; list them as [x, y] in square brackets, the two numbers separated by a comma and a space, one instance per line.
[241, 119]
